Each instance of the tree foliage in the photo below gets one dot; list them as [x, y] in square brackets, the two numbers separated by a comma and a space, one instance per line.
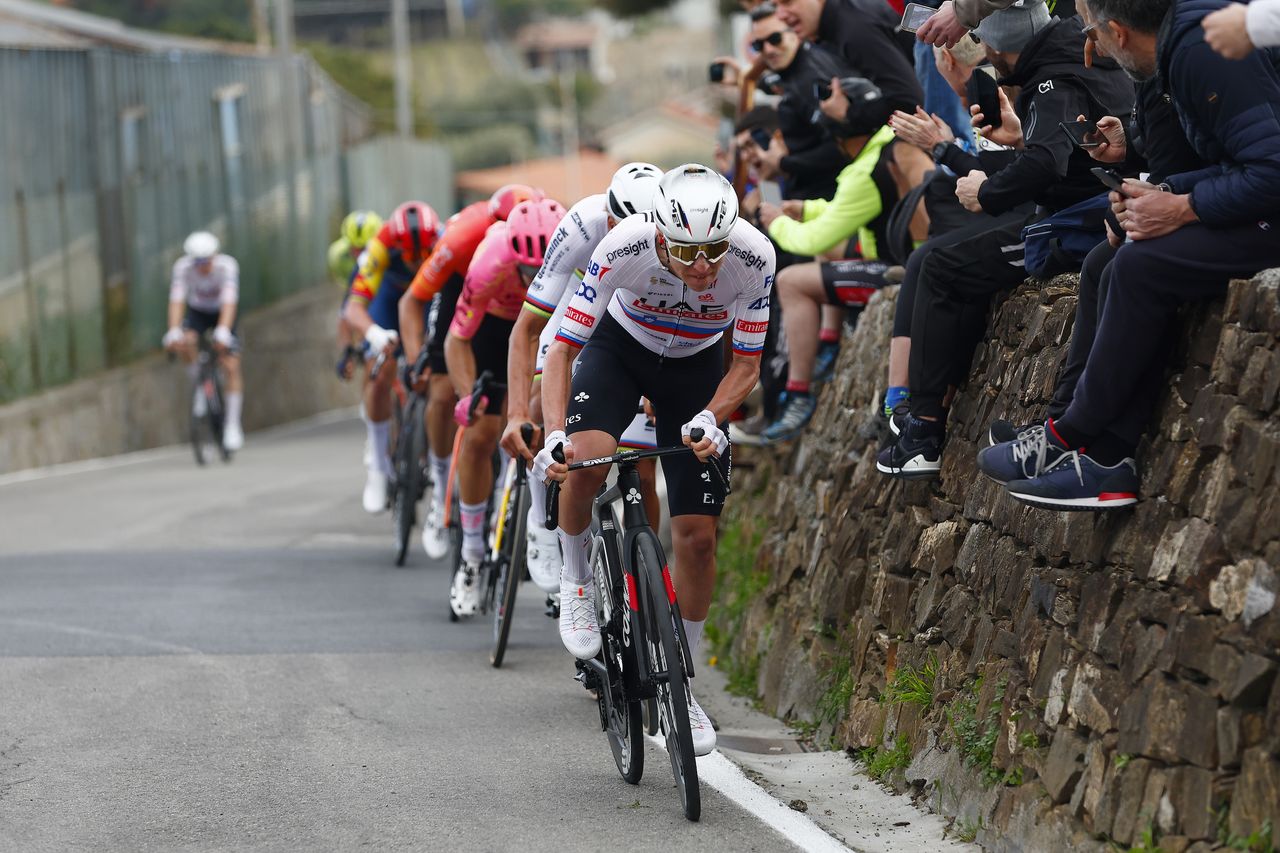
[634, 8]
[217, 19]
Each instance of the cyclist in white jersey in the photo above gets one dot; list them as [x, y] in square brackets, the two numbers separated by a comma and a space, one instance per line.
[630, 192]
[648, 319]
[204, 293]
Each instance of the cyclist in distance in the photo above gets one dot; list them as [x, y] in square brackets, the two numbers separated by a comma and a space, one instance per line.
[575, 238]
[204, 294]
[358, 228]
[386, 267]
[648, 321]
[438, 283]
[506, 261]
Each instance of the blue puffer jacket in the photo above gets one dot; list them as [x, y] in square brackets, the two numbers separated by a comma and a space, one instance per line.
[1230, 111]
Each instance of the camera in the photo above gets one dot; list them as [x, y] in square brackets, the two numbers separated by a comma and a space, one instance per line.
[716, 72]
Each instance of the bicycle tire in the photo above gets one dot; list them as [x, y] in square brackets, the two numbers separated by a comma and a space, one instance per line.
[673, 705]
[455, 552]
[649, 716]
[510, 572]
[624, 726]
[218, 415]
[404, 503]
[196, 433]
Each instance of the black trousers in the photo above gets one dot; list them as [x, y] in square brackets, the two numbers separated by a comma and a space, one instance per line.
[955, 287]
[1144, 286]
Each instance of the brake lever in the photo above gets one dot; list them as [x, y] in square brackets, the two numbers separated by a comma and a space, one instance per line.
[553, 492]
[697, 434]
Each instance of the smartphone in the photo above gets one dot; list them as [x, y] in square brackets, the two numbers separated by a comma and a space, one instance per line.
[914, 16]
[821, 90]
[770, 193]
[1084, 134]
[983, 90]
[760, 137]
[770, 83]
[1110, 177]
[716, 72]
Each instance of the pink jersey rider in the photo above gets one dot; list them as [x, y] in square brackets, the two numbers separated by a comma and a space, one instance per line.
[493, 284]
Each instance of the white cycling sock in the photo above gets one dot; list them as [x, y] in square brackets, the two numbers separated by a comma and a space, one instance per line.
[577, 568]
[439, 478]
[473, 530]
[538, 501]
[235, 403]
[693, 637]
[379, 438]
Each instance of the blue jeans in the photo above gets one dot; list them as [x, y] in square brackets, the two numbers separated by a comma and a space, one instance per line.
[940, 99]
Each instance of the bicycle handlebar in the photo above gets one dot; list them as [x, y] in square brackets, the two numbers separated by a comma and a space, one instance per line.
[557, 453]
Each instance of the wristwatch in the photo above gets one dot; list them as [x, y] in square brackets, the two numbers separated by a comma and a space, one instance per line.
[939, 151]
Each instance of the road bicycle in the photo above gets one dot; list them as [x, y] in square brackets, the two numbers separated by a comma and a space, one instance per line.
[505, 567]
[208, 404]
[643, 652]
[484, 385]
[410, 467]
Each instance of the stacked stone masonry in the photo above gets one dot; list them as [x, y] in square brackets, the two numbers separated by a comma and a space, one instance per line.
[1096, 679]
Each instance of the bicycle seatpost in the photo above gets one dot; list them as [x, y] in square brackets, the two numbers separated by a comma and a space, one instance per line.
[553, 492]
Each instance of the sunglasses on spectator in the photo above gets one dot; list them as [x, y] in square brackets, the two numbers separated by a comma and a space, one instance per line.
[687, 253]
[774, 39]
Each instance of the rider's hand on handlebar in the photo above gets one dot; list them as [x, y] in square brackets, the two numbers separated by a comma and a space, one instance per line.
[464, 412]
[222, 337]
[513, 441]
[545, 467]
[380, 340]
[714, 441]
[173, 337]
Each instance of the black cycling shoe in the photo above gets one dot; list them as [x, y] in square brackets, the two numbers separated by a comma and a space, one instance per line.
[917, 454]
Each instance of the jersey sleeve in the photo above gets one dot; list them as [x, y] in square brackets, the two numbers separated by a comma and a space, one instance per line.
[489, 271]
[589, 302]
[752, 310]
[231, 286]
[569, 252]
[441, 266]
[178, 283]
[370, 266]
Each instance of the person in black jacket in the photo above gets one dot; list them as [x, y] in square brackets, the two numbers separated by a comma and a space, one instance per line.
[963, 270]
[1187, 237]
[864, 33]
[813, 159]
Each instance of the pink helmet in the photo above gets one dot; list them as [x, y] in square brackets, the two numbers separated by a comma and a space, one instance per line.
[507, 197]
[530, 226]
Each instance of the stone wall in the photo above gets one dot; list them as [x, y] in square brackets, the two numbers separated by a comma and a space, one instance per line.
[289, 358]
[1055, 681]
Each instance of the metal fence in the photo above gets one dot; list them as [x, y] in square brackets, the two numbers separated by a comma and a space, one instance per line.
[109, 159]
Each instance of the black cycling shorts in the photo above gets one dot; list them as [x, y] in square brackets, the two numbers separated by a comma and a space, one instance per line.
[614, 370]
[490, 348]
[439, 316]
[203, 321]
[850, 283]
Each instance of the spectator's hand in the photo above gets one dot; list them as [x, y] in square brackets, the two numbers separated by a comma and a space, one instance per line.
[794, 208]
[769, 160]
[1113, 239]
[732, 71]
[921, 129]
[751, 202]
[173, 338]
[942, 29]
[768, 213]
[1114, 147]
[1225, 31]
[967, 190]
[1146, 212]
[724, 162]
[835, 107]
[1010, 131]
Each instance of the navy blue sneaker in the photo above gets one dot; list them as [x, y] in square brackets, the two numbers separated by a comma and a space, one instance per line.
[917, 454]
[824, 366]
[1033, 451]
[1076, 482]
[795, 415]
[1001, 431]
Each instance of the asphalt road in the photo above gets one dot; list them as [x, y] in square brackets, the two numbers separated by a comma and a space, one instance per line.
[226, 658]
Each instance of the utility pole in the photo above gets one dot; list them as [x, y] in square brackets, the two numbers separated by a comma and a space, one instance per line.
[569, 135]
[284, 27]
[261, 26]
[403, 67]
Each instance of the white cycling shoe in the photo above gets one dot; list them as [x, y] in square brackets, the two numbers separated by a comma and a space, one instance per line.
[375, 492]
[464, 595]
[579, 630]
[232, 437]
[542, 554]
[704, 734]
[435, 537]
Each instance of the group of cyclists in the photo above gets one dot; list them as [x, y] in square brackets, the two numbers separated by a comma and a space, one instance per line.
[603, 325]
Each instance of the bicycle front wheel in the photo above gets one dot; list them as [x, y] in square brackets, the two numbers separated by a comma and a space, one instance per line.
[667, 658]
[409, 452]
[510, 571]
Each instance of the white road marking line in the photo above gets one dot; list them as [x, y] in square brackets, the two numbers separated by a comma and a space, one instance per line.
[726, 777]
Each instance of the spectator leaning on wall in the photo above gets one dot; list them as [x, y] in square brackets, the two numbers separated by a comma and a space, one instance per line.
[1190, 236]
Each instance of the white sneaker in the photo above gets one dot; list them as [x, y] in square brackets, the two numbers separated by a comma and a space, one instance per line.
[704, 735]
[375, 492]
[542, 554]
[579, 630]
[464, 595]
[435, 538]
[367, 458]
[232, 437]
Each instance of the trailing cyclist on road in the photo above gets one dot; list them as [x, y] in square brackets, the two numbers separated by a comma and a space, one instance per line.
[387, 265]
[358, 228]
[204, 294]
[648, 320]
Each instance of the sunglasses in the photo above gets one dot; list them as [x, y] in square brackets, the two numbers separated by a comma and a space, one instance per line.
[774, 39]
[687, 253]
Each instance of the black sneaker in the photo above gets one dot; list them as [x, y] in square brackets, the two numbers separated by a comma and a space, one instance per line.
[917, 454]
[1002, 431]
[1076, 482]
[898, 417]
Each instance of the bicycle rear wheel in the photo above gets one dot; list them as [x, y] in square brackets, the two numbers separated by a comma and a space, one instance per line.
[510, 571]
[622, 714]
[196, 430]
[409, 451]
[667, 657]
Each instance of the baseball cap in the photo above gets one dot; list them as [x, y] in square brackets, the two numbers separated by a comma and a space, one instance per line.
[1010, 30]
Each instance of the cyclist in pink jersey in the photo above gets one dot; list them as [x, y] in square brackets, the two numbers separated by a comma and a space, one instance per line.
[505, 262]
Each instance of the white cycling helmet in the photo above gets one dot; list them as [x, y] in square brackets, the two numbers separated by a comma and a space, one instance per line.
[694, 204]
[631, 190]
[201, 245]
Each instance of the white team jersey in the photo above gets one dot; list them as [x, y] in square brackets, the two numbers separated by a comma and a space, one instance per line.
[206, 293]
[625, 278]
